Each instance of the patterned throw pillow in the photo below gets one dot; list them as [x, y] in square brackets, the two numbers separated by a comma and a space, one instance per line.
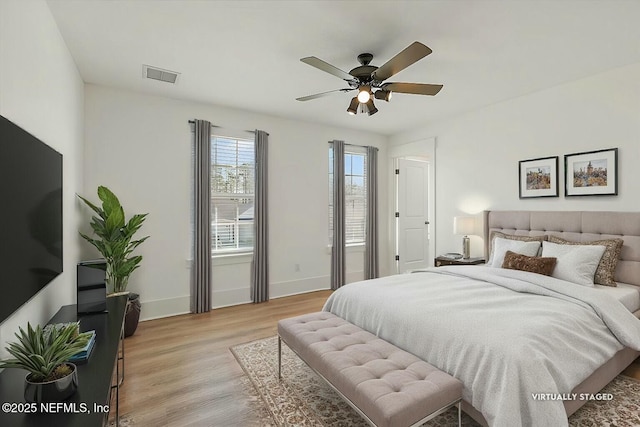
[606, 269]
[499, 234]
[533, 264]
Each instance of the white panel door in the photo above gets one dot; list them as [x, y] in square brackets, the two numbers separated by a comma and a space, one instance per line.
[412, 215]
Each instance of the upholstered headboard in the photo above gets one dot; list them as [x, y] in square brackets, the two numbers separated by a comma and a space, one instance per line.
[579, 226]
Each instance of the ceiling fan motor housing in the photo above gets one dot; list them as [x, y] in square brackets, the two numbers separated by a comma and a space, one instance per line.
[363, 73]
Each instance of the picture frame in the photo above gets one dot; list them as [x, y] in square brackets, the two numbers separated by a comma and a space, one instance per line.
[538, 177]
[591, 173]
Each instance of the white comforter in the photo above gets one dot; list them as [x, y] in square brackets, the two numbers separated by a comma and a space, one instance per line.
[505, 334]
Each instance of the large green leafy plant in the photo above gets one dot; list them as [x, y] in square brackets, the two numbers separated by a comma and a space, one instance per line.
[43, 352]
[115, 238]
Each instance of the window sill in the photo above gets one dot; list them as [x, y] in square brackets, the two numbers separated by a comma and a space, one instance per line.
[350, 248]
[232, 258]
[354, 248]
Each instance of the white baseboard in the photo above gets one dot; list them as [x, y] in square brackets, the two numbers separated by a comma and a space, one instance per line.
[230, 297]
[300, 286]
[167, 307]
[156, 309]
[276, 290]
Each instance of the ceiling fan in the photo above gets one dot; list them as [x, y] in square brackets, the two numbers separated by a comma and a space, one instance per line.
[367, 78]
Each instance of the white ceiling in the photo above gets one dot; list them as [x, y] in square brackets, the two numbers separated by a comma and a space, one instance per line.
[246, 54]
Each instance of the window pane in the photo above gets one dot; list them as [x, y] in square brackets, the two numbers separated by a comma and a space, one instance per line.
[245, 179]
[357, 164]
[220, 179]
[357, 185]
[348, 187]
[355, 197]
[355, 220]
[232, 187]
[231, 223]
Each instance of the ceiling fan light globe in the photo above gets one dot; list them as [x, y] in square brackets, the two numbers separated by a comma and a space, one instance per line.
[364, 95]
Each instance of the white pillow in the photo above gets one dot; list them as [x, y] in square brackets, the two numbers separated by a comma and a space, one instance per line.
[501, 246]
[575, 263]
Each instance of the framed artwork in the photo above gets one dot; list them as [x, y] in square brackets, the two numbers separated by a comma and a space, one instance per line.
[593, 173]
[538, 177]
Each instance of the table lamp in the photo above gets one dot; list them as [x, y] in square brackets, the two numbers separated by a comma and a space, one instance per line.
[464, 225]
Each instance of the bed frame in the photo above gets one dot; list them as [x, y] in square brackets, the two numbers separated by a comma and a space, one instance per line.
[579, 226]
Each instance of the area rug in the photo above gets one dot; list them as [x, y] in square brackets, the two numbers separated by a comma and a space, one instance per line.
[304, 399]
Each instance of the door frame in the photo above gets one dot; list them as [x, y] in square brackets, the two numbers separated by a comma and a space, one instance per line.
[423, 150]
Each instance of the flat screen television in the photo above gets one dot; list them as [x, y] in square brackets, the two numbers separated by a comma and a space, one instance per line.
[30, 216]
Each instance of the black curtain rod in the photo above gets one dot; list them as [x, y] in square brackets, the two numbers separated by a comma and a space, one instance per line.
[355, 145]
[193, 122]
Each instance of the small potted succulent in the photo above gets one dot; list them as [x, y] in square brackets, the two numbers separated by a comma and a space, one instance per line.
[44, 353]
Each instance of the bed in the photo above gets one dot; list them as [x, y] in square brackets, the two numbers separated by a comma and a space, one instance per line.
[527, 347]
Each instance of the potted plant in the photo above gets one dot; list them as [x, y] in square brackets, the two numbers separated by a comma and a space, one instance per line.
[44, 353]
[115, 242]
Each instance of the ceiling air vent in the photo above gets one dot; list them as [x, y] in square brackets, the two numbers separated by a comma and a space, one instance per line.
[156, 73]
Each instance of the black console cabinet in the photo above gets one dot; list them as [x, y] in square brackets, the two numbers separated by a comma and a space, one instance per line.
[95, 378]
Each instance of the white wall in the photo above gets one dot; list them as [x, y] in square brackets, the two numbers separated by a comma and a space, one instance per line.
[41, 91]
[477, 154]
[140, 147]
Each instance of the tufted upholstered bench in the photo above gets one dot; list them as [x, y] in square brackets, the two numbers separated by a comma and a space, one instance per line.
[388, 386]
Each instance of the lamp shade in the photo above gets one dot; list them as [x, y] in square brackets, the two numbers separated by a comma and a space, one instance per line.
[353, 106]
[464, 225]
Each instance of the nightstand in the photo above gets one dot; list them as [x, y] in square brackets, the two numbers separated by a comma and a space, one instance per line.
[440, 261]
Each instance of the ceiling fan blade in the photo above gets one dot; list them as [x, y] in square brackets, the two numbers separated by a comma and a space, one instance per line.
[320, 95]
[410, 55]
[326, 67]
[413, 88]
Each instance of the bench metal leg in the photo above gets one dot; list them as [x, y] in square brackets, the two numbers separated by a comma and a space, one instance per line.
[279, 357]
[459, 405]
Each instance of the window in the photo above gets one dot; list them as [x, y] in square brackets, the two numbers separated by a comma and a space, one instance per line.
[355, 183]
[232, 194]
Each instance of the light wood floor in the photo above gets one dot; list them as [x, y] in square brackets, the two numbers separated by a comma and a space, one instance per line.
[180, 372]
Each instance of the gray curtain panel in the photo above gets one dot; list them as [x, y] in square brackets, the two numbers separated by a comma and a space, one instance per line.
[371, 268]
[338, 243]
[201, 268]
[260, 262]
